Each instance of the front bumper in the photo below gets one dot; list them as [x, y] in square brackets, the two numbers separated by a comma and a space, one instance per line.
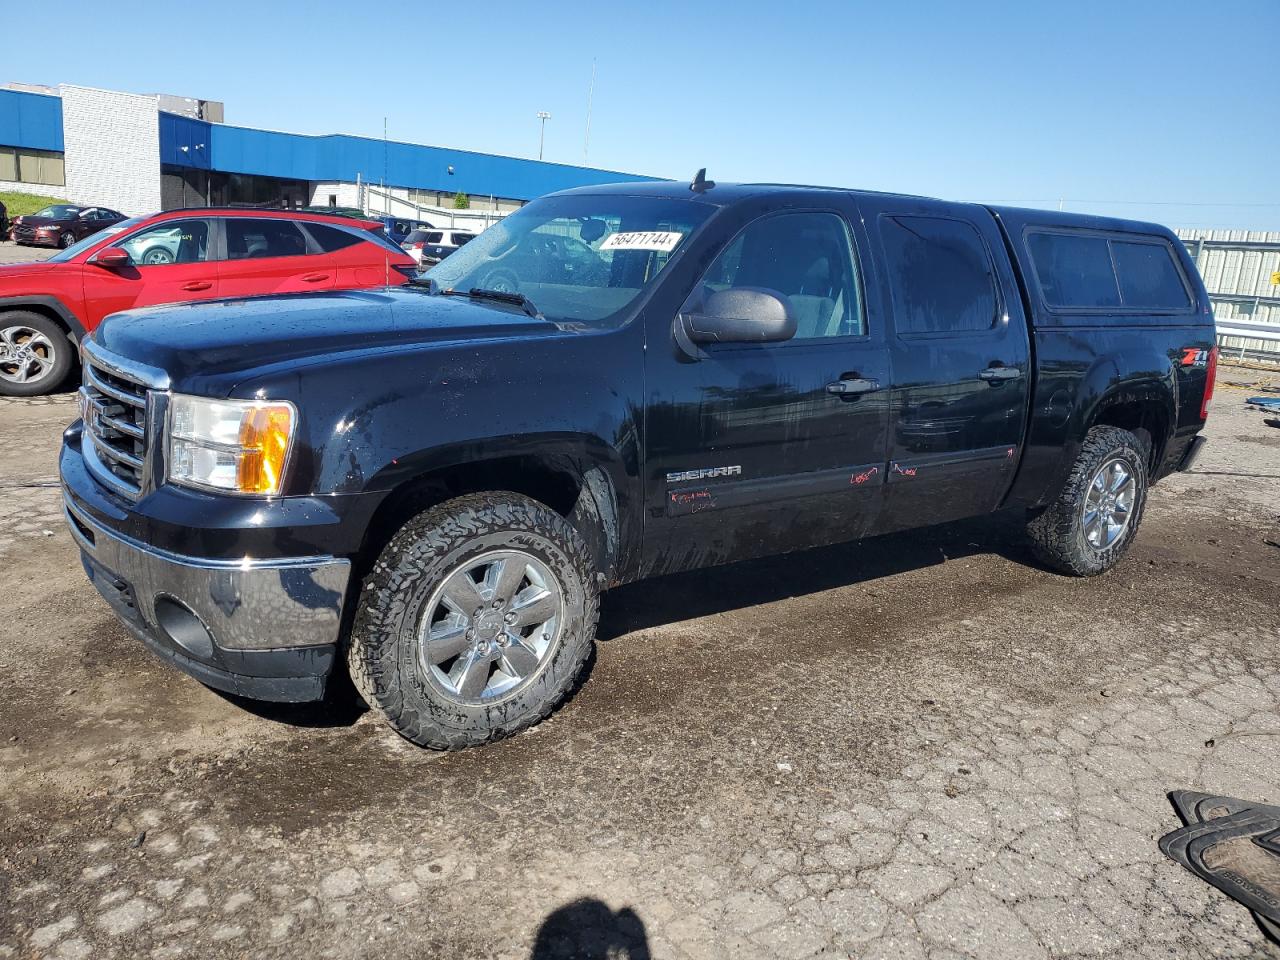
[266, 629]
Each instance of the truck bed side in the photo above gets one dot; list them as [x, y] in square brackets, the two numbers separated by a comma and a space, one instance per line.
[1145, 370]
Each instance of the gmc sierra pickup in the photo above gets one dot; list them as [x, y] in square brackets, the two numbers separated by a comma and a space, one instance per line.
[435, 483]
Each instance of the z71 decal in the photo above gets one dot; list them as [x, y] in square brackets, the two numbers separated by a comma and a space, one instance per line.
[704, 473]
[1195, 357]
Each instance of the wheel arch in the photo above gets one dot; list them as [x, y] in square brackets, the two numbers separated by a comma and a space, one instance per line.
[1145, 409]
[580, 484]
[51, 307]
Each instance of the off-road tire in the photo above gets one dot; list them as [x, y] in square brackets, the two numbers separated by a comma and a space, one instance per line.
[64, 354]
[1057, 533]
[382, 653]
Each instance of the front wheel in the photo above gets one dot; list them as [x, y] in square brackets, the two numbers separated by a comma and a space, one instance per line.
[35, 354]
[475, 620]
[1090, 526]
[66, 240]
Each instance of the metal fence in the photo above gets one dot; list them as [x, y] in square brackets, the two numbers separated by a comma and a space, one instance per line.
[1241, 271]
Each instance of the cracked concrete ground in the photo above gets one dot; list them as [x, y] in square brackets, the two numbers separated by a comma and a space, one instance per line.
[918, 747]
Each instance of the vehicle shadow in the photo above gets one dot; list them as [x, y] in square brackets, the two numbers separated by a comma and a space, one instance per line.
[342, 706]
[705, 592]
[712, 590]
[588, 930]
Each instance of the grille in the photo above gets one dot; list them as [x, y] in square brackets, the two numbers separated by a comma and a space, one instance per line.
[24, 233]
[114, 409]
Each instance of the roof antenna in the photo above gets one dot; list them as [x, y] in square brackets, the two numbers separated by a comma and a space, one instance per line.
[700, 182]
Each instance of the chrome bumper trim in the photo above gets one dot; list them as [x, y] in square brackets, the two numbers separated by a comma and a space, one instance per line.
[249, 604]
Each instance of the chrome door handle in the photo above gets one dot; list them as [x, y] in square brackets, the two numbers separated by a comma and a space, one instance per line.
[1000, 374]
[853, 386]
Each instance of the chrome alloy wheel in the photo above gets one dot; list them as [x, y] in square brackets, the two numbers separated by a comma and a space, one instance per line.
[26, 354]
[1108, 505]
[490, 627]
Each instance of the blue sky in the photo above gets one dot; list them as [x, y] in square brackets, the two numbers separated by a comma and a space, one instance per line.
[1169, 106]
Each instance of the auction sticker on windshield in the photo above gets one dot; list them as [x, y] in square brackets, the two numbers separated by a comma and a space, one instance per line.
[660, 241]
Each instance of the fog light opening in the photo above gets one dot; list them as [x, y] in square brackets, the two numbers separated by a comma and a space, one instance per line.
[180, 624]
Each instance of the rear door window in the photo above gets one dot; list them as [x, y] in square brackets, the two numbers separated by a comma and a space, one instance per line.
[249, 239]
[941, 276]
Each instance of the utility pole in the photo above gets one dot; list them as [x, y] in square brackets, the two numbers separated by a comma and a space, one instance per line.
[542, 134]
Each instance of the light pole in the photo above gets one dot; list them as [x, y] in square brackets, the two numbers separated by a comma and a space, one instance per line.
[542, 134]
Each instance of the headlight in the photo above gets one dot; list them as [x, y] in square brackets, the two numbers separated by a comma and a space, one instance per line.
[237, 445]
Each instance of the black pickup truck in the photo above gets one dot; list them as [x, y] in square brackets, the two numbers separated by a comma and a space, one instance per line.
[436, 483]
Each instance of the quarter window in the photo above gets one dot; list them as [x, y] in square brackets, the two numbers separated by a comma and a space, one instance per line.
[249, 239]
[805, 257]
[174, 241]
[330, 239]
[940, 274]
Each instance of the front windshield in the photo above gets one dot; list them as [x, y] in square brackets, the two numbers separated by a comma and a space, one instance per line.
[577, 258]
[58, 211]
[92, 239]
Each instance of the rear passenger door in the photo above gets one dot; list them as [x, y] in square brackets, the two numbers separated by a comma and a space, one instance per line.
[264, 256]
[960, 358]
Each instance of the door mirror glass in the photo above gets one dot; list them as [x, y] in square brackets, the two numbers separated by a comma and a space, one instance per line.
[112, 258]
[741, 315]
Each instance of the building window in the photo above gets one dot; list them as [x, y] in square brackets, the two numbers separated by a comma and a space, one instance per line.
[20, 165]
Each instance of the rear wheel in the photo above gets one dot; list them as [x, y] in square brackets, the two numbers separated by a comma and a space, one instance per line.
[35, 354]
[475, 621]
[1090, 526]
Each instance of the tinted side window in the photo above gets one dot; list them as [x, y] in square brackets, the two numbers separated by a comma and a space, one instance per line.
[1148, 276]
[257, 239]
[329, 238]
[806, 257]
[940, 274]
[173, 241]
[1074, 271]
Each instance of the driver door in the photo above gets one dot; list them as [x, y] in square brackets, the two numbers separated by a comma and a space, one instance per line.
[761, 448]
[170, 262]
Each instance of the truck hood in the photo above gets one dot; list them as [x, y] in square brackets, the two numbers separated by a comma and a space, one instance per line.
[234, 339]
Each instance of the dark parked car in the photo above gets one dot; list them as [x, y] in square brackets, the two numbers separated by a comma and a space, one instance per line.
[436, 482]
[62, 224]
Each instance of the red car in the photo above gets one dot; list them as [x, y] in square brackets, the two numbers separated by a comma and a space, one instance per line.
[45, 308]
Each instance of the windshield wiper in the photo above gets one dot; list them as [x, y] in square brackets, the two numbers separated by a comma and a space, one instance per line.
[479, 293]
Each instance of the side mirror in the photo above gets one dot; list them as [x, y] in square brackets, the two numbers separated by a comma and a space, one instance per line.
[738, 315]
[113, 258]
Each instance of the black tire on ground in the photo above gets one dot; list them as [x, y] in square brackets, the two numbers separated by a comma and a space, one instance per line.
[64, 353]
[1058, 533]
[383, 652]
[66, 240]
